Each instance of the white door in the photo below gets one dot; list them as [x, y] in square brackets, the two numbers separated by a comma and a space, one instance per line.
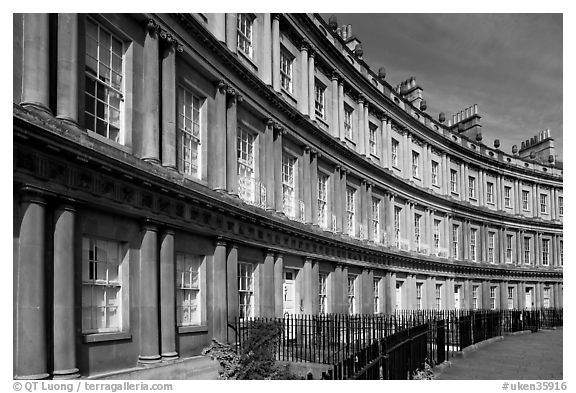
[289, 293]
[398, 296]
[528, 298]
[457, 298]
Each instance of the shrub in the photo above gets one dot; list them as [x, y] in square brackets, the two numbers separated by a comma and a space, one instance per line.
[257, 357]
[427, 373]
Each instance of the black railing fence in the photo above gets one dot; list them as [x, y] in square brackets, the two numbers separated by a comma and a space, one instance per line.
[392, 346]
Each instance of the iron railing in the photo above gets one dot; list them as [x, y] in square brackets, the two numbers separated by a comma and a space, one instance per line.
[354, 344]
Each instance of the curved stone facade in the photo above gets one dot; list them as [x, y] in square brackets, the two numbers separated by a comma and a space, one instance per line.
[176, 171]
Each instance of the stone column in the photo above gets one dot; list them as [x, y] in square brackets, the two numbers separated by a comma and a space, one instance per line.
[517, 197]
[467, 289]
[388, 144]
[344, 216]
[520, 245]
[344, 293]
[149, 343]
[35, 64]
[337, 209]
[449, 298]
[217, 140]
[150, 133]
[370, 226]
[167, 296]
[231, 141]
[363, 210]
[219, 296]
[361, 141]
[308, 284]
[535, 204]
[341, 109]
[232, 288]
[482, 186]
[231, 32]
[314, 187]
[504, 295]
[270, 165]
[404, 160]
[449, 239]
[463, 191]
[390, 292]
[30, 327]
[67, 68]
[553, 213]
[219, 26]
[311, 81]
[431, 292]
[278, 169]
[169, 141]
[278, 285]
[303, 96]
[63, 300]
[445, 175]
[366, 129]
[306, 186]
[266, 51]
[335, 125]
[315, 290]
[267, 278]
[276, 52]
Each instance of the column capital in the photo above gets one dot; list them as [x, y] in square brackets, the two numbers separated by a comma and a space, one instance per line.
[149, 225]
[304, 45]
[152, 28]
[67, 204]
[360, 99]
[221, 86]
[335, 76]
[311, 51]
[222, 242]
[307, 149]
[33, 194]
[269, 123]
[276, 16]
[168, 231]
[270, 252]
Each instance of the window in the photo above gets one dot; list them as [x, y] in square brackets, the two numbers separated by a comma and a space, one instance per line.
[455, 247]
[561, 252]
[491, 240]
[188, 132]
[246, 290]
[397, 211]
[351, 210]
[561, 205]
[434, 173]
[510, 298]
[471, 187]
[438, 296]
[545, 252]
[319, 102]
[246, 166]
[507, 198]
[188, 288]
[322, 303]
[104, 80]
[376, 292]
[454, 181]
[543, 203]
[101, 286]
[244, 34]
[475, 297]
[373, 139]
[286, 61]
[322, 200]
[415, 164]
[509, 248]
[493, 298]
[473, 235]
[490, 192]
[436, 236]
[546, 297]
[417, 220]
[527, 250]
[348, 131]
[419, 296]
[288, 185]
[351, 294]
[395, 152]
[525, 196]
[376, 219]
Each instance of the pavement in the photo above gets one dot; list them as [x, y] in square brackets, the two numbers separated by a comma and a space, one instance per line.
[533, 356]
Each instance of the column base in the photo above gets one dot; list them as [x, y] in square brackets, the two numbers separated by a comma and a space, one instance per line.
[36, 105]
[33, 376]
[69, 121]
[72, 373]
[169, 356]
[152, 160]
[149, 359]
[170, 167]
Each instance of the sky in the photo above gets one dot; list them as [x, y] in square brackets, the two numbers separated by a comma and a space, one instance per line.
[508, 64]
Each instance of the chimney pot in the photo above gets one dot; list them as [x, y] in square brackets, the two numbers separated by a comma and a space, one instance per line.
[358, 51]
[333, 22]
[442, 118]
[496, 143]
[515, 149]
[382, 73]
[423, 105]
[349, 31]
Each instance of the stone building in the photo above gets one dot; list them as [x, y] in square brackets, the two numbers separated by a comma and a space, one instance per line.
[173, 172]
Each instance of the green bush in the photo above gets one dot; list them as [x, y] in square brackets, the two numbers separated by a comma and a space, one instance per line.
[427, 373]
[257, 358]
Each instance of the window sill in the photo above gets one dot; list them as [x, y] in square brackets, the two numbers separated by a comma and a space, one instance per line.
[249, 59]
[436, 185]
[374, 156]
[490, 203]
[321, 120]
[109, 142]
[101, 337]
[350, 141]
[416, 178]
[192, 329]
[455, 194]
